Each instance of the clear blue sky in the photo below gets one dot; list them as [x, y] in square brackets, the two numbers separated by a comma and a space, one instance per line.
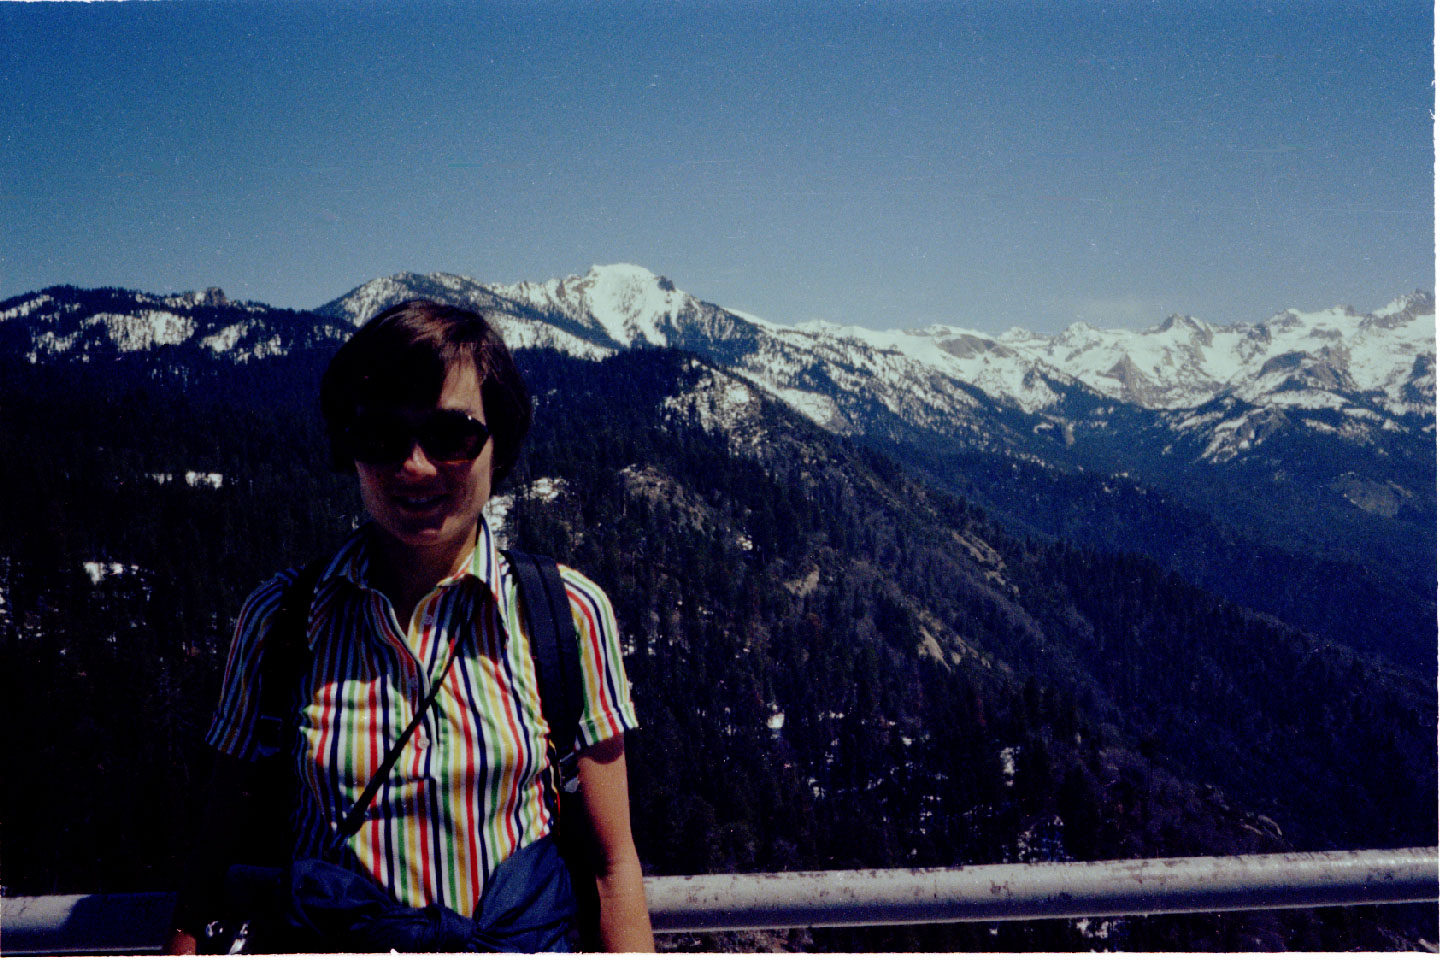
[886, 164]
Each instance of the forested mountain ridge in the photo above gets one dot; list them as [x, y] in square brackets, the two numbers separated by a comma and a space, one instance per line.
[70, 324]
[836, 664]
[1130, 645]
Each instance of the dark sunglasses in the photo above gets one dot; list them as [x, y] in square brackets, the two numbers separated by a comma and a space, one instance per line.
[446, 436]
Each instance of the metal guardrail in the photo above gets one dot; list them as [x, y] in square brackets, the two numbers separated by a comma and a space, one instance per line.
[103, 923]
[136, 922]
[1038, 891]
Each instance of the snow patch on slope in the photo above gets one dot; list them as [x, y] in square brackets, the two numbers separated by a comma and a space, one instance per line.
[815, 407]
[225, 339]
[498, 508]
[145, 330]
[520, 334]
[717, 403]
[26, 308]
[98, 570]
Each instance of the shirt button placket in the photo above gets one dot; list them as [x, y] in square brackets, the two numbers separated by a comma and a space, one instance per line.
[412, 674]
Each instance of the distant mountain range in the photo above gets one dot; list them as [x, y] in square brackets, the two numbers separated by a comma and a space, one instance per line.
[1222, 390]
[1375, 370]
[1310, 433]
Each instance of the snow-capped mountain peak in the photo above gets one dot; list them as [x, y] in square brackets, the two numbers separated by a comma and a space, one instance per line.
[1419, 303]
[1183, 325]
[628, 303]
[382, 293]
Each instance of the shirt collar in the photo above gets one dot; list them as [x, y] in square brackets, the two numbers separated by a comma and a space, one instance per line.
[352, 561]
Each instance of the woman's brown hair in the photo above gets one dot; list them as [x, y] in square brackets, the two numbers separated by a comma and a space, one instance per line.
[401, 357]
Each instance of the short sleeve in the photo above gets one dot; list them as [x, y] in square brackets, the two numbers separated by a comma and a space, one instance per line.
[607, 710]
[232, 728]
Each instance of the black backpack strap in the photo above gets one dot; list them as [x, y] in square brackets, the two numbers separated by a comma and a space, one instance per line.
[285, 660]
[251, 820]
[556, 648]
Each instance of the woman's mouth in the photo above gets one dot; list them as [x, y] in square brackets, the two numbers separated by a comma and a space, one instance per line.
[419, 503]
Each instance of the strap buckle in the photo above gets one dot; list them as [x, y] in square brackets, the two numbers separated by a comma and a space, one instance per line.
[568, 770]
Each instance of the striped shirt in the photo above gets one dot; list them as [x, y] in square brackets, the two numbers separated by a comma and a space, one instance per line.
[468, 788]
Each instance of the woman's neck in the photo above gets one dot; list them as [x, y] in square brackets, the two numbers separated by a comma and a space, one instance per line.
[405, 573]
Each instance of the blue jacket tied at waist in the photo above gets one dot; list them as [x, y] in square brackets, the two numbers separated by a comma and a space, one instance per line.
[318, 907]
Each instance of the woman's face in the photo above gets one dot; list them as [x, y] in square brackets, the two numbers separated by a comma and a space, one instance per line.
[430, 506]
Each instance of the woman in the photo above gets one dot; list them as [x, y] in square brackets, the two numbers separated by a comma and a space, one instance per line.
[425, 405]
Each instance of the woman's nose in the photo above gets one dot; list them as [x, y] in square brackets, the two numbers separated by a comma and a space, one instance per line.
[416, 461]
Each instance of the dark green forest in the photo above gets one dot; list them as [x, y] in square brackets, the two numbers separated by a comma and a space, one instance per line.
[836, 663]
[1247, 539]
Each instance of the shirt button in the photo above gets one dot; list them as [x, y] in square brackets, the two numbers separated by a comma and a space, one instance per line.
[421, 740]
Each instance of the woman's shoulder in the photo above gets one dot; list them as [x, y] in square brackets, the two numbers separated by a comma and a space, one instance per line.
[274, 587]
[582, 592]
[575, 581]
[263, 602]
[579, 585]
[322, 569]
[594, 614]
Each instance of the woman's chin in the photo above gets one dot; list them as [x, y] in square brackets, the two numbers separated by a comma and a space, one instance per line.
[426, 535]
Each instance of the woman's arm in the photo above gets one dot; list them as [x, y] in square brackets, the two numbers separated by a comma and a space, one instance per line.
[180, 944]
[624, 918]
